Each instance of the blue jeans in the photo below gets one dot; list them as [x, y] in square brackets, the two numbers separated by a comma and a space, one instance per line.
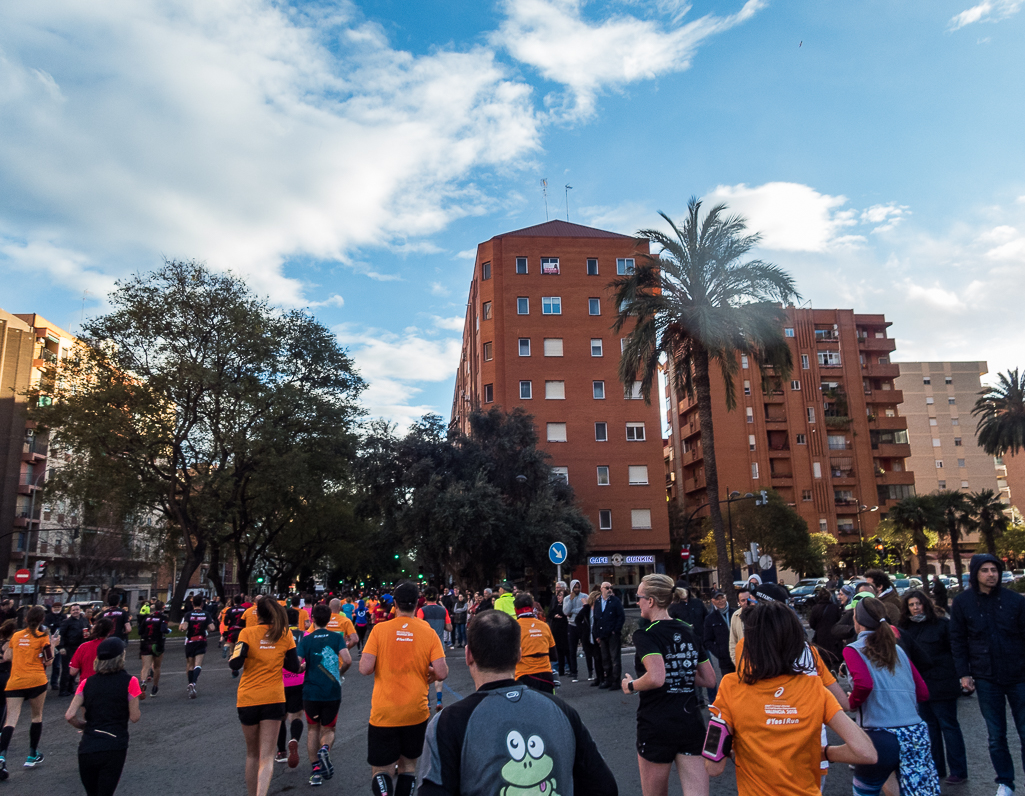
[55, 669]
[994, 711]
[941, 716]
[459, 635]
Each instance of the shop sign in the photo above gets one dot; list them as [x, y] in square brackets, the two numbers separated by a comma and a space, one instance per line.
[618, 560]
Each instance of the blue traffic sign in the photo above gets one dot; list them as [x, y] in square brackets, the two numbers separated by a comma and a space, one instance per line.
[557, 553]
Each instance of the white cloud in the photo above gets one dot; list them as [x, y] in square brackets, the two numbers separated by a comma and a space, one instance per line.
[587, 56]
[466, 254]
[986, 11]
[331, 301]
[451, 324]
[438, 289]
[885, 217]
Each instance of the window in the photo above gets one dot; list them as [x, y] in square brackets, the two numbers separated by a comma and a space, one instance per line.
[829, 359]
[592, 266]
[952, 401]
[525, 391]
[489, 393]
[836, 442]
[806, 495]
[555, 390]
[941, 484]
[594, 306]
[811, 414]
[604, 520]
[487, 310]
[521, 265]
[601, 432]
[549, 265]
[816, 469]
[485, 271]
[788, 331]
[932, 421]
[929, 401]
[489, 351]
[638, 474]
[750, 415]
[603, 475]
[640, 518]
[935, 442]
[823, 526]
[556, 432]
[524, 346]
[964, 485]
[801, 439]
[747, 387]
[926, 380]
[633, 392]
[805, 362]
[795, 385]
[635, 432]
[948, 380]
[954, 421]
[553, 346]
[743, 361]
[960, 463]
[522, 305]
[883, 360]
[560, 474]
[624, 266]
[596, 349]
[939, 464]
[754, 470]
[551, 305]
[598, 390]
[957, 442]
[750, 442]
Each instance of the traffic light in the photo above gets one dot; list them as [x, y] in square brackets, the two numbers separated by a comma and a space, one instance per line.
[396, 556]
[260, 579]
[40, 570]
[764, 499]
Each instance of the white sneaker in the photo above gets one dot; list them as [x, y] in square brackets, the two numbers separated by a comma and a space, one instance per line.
[1003, 790]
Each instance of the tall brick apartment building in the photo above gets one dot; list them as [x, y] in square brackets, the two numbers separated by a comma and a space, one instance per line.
[538, 335]
[829, 439]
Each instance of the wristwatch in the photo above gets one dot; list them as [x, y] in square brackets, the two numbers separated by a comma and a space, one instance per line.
[630, 686]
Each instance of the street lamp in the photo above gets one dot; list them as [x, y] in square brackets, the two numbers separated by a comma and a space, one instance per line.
[732, 498]
[861, 535]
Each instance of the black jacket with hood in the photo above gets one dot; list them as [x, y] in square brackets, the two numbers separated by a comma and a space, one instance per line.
[987, 631]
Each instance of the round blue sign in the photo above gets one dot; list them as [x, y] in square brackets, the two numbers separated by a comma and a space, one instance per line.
[557, 553]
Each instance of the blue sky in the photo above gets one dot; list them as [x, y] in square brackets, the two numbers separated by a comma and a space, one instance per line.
[348, 157]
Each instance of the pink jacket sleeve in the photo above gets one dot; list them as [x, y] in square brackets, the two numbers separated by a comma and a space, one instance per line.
[861, 676]
[921, 689]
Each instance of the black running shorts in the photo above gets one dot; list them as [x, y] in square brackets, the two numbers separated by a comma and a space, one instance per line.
[147, 647]
[26, 693]
[659, 743]
[254, 714]
[385, 745]
[293, 698]
[323, 713]
[194, 648]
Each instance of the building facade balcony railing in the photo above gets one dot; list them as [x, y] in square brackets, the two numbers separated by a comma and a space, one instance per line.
[827, 335]
[877, 370]
[870, 343]
[884, 397]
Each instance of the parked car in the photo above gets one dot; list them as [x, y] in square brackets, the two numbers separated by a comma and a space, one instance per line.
[901, 585]
[804, 591]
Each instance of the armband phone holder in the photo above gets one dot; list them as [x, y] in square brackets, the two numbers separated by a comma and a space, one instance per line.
[718, 740]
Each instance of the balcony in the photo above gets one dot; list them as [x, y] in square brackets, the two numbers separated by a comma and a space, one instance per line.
[876, 371]
[773, 397]
[28, 489]
[881, 344]
[692, 485]
[894, 477]
[827, 336]
[33, 450]
[892, 450]
[884, 397]
[845, 505]
[884, 423]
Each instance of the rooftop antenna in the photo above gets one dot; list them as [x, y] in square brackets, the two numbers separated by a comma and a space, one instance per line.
[568, 189]
[544, 192]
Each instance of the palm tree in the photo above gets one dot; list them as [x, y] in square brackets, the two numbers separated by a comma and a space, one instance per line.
[697, 303]
[988, 517]
[1001, 413]
[916, 513]
[956, 516]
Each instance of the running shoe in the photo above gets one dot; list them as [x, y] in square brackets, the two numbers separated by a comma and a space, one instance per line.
[316, 778]
[281, 757]
[293, 753]
[224, 652]
[324, 759]
[192, 690]
[234, 672]
[3, 770]
[34, 760]
[142, 695]
[154, 691]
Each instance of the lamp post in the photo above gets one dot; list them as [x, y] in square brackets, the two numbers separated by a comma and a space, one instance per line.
[861, 535]
[732, 497]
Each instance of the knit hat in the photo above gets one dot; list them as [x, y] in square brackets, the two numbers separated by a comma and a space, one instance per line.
[770, 592]
[110, 648]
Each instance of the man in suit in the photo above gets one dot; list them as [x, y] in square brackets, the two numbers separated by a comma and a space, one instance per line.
[608, 628]
[716, 636]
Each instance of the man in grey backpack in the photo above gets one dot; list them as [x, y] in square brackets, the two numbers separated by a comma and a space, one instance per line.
[524, 741]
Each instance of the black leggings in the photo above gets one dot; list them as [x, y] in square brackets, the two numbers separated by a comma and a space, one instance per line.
[361, 631]
[101, 771]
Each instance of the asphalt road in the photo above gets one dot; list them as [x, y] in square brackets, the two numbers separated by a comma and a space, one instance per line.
[183, 747]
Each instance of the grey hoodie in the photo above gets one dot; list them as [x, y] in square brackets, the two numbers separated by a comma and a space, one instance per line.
[571, 604]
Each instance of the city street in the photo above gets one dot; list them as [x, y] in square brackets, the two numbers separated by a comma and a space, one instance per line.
[183, 747]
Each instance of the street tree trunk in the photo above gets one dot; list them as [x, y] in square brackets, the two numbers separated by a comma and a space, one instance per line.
[955, 547]
[192, 561]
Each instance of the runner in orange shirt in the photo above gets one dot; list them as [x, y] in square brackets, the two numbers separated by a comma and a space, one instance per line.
[340, 623]
[405, 656]
[537, 646]
[250, 618]
[29, 652]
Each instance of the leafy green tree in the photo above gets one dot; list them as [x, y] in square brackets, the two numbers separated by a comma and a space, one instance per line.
[918, 514]
[700, 304]
[988, 517]
[1001, 413]
[956, 515]
[1012, 543]
[900, 542]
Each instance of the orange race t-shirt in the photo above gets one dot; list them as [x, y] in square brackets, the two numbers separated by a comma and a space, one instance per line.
[773, 721]
[261, 682]
[249, 617]
[404, 648]
[340, 623]
[304, 620]
[820, 666]
[535, 641]
[27, 668]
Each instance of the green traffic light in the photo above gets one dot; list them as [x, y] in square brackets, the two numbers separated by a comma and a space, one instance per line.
[259, 580]
[396, 555]
[421, 577]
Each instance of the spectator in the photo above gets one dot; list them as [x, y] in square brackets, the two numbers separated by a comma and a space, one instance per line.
[572, 604]
[843, 630]
[460, 613]
[688, 608]
[717, 636]
[939, 594]
[72, 633]
[608, 627]
[824, 615]
[591, 616]
[559, 624]
[987, 639]
[53, 622]
[505, 601]
[487, 602]
[532, 753]
[744, 599]
[886, 594]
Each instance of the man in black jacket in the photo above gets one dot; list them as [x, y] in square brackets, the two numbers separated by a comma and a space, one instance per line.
[72, 634]
[608, 627]
[690, 609]
[716, 637]
[987, 638]
[53, 620]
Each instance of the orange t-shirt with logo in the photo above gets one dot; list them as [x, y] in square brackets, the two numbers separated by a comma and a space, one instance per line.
[261, 682]
[27, 667]
[820, 666]
[776, 720]
[304, 620]
[340, 623]
[249, 617]
[404, 648]
[535, 641]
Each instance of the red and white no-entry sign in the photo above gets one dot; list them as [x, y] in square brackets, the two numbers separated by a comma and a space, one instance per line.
[22, 576]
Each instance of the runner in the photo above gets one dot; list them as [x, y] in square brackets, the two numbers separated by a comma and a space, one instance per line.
[82, 662]
[233, 623]
[119, 616]
[537, 645]
[261, 653]
[361, 620]
[340, 624]
[195, 624]
[383, 611]
[293, 683]
[249, 618]
[405, 656]
[304, 615]
[437, 617]
[30, 651]
[152, 631]
[326, 658]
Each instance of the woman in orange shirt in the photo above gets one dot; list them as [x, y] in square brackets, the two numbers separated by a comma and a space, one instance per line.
[261, 652]
[29, 651]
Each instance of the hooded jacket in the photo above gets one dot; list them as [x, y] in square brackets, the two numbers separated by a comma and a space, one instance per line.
[987, 631]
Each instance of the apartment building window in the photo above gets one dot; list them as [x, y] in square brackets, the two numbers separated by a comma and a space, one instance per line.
[932, 421]
[549, 265]
[805, 362]
[964, 485]
[750, 442]
[948, 380]
[816, 469]
[489, 393]
[952, 401]
[929, 401]
[754, 470]
[829, 359]
[598, 389]
[935, 442]
[957, 442]
[521, 265]
[604, 519]
[522, 305]
[788, 331]
[638, 474]
[592, 266]
[743, 361]
[954, 421]
[551, 305]
[555, 390]
[633, 391]
[556, 432]
[960, 463]
[560, 474]
[941, 484]
[525, 391]
[926, 380]
[640, 518]
[487, 310]
[836, 442]
[524, 346]
[811, 414]
[806, 495]
[624, 265]
[823, 526]
[750, 414]
[939, 464]
[553, 346]
[795, 385]
[489, 351]
[596, 347]
[601, 432]
[485, 271]
[747, 387]
[603, 475]
[594, 306]
[801, 439]
[635, 432]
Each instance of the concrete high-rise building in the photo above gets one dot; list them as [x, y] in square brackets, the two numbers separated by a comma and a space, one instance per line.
[538, 335]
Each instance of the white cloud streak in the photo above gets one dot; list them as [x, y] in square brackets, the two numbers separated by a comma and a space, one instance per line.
[986, 11]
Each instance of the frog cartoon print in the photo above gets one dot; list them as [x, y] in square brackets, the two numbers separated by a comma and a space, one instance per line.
[527, 772]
